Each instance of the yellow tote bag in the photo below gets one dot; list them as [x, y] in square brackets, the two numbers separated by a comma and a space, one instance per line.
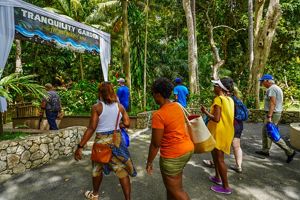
[199, 133]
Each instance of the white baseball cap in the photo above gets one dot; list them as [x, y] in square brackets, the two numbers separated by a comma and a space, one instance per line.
[218, 82]
[121, 80]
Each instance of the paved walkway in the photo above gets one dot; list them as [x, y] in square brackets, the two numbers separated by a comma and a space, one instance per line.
[66, 179]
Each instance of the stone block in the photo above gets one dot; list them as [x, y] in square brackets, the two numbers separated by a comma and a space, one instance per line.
[44, 148]
[37, 155]
[55, 154]
[46, 158]
[3, 155]
[55, 139]
[25, 157]
[20, 150]
[36, 163]
[20, 168]
[12, 160]
[4, 145]
[12, 144]
[67, 141]
[28, 165]
[3, 166]
[12, 149]
[34, 148]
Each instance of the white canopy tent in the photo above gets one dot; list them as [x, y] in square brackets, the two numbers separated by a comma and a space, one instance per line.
[38, 25]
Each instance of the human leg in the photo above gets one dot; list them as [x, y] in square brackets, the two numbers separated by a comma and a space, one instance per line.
[174, 187]
[222, 168]
[238, 153]
[126, 187]
[214, 155]
[51, 118]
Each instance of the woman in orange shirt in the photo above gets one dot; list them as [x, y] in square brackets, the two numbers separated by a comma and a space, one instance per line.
[169, 135]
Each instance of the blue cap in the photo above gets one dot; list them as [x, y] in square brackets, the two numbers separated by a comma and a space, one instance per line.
[266, 77]
[178, 80]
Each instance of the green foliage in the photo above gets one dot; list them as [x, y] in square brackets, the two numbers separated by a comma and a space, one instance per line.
[166, 50]
[12, 135]
[79, 98]
[18, 85]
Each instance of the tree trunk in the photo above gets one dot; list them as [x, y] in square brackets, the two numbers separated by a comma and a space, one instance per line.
[126, 43]
[81, 66]
[195, 44]
[217, 60]
[192, 49]
[250, 34]
[145, 56]
[19, 68]
[263, 36]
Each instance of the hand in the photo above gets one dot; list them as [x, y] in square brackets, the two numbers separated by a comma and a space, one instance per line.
[203, 109]
[149, 168]
[60, 115]
[78, 154]
[269, 119]
[41, 113]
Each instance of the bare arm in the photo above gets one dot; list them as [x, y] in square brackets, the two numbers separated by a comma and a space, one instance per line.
[96, 111]
[271, 107]
[215, 116]
[125, 118]
[157, 135]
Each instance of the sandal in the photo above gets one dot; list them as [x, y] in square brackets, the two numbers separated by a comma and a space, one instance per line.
[89, 195]
[208, 163]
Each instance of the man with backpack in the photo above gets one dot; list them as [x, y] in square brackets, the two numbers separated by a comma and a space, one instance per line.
[273, 108]
[51, 104]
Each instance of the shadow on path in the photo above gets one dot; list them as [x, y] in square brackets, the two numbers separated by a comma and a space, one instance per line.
[66, 179]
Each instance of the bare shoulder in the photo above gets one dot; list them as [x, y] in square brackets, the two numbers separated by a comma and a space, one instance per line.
[97, 108]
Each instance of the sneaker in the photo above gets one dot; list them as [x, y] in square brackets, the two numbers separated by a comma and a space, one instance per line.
[291, 157]
[262, 153]
[220, 189]
[215, 180]
[236, 169]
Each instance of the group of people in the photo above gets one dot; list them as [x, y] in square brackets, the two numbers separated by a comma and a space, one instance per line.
[170, 136]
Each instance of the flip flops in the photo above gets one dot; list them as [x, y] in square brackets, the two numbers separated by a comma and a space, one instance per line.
[208, 163]
[90, 196]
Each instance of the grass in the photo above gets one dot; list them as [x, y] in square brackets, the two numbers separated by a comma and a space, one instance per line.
[12, 135]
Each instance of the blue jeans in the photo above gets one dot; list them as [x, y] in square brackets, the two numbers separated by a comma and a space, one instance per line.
[51, 117]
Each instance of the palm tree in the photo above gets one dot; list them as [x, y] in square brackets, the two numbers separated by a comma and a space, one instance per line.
[20, 85]
[118, 10]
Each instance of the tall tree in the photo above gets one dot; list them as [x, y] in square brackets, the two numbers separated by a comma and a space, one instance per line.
[192, 47]
[19, 68]
[145, 54]
[250, 33]
[126, 43]
[264, 31]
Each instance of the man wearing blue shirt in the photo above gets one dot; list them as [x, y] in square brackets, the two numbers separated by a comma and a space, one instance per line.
[123, 93]
[181, 92]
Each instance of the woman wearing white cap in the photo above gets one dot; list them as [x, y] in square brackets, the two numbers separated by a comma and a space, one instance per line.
[221, 127]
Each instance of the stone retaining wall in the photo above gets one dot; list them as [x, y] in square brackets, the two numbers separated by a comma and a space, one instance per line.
[287, 117]
[144, 118]
[17, 156]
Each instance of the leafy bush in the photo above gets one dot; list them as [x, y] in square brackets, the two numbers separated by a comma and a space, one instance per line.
[79, 98]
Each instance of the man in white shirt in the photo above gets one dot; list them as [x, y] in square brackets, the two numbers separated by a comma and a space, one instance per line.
[273, 105]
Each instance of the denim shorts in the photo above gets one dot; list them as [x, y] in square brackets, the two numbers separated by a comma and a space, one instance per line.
[238, 128]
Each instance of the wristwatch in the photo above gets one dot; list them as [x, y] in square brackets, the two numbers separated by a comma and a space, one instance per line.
[269, 116]
[79, 146]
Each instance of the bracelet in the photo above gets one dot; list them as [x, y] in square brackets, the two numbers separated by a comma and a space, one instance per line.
[269, 116]
[79, 146]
